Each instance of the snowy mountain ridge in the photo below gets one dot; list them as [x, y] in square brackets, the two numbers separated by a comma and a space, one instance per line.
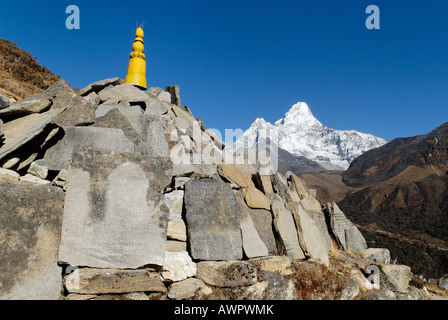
[301, 134]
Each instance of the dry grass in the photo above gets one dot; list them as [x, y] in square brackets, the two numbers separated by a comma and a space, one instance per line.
[20, 74]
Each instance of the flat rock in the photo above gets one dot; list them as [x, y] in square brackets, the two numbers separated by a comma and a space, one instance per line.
[256, 199]
[300, 186]
[178, 266]
[175, 203]
[309, 236]
[110, 281]
[133, 114]
[36, 103]
[79, 112]
[106, 139]
[160, 94]
[125, 91]
[177, 230]
[345, 232]
[213, 225]
[20, 131]
[264, 183]
[9, 174]
[114, 215]
[285, 227]
[227, 274]
[185, 289]
[30, 225]
[233, 174]
[100, 85]
[252, 244]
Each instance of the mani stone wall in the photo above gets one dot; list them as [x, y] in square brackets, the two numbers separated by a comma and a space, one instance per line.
[84, 217]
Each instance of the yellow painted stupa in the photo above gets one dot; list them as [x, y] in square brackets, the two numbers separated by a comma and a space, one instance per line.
[137, 65]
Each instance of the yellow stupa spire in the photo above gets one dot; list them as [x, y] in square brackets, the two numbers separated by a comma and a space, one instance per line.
[137, 65]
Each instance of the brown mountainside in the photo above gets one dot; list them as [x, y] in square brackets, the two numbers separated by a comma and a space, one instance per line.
[398, 194]
[20, 74]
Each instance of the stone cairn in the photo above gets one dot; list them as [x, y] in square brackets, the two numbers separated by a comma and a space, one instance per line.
[90, 190]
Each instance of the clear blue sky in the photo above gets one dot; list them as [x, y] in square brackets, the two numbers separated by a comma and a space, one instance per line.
[236, 61]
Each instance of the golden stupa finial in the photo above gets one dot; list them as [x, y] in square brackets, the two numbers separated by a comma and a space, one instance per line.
[137, 65]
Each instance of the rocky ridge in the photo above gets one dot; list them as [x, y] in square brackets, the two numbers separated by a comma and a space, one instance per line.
[130, 197]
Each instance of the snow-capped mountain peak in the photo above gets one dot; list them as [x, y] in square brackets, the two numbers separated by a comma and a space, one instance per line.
[301, 134]
[299, 114]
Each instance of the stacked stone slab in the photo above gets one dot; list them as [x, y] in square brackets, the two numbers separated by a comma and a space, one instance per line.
[136, 199]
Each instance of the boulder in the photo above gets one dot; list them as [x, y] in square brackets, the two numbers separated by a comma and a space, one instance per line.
[174, 91]
[160, 94]
[114, 215]
[4, 101]
[229, 274]
[213, 226]
[133, 114]
[100, 85]
[309, 236]
[285, 227]
[252, 244]
[375, 256]
[9, 175]
[20, 131]
[185, 289]
[106, 139]
[112, 281]
[382, 294]
[395, 277]
[350, 291]
[30, 225]
[157, 107]
[275, 288]
[39, 169]
[178, 266]
[354, 240]
[268, 266]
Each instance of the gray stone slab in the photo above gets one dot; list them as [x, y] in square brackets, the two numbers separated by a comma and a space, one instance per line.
[252, 244]
[309, 236]
[263, 222]
[285, 227]
[114, 215]
[100, 85]
[30, 228]
[79, 112]
[20, 131]
[106, 139]
[213, 225]
[36, 103]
